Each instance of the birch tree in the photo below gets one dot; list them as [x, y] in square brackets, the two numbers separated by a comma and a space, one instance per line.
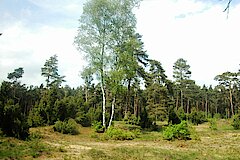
[104, 25]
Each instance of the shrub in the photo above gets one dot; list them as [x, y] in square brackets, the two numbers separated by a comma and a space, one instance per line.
[120, 134]
[236, 121]
[13, 122]
[178, 131]
[181, 114]
[34, 118]
[217, 116]
[72, 127]
[58, 126]
[131, 119]
[66, 127]
[213, 124]
[197, 117]
[35, 135]
[98, 127]
[128, 127]
[173, 117]
[82, 119]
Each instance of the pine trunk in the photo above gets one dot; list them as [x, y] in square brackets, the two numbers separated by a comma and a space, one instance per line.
[181, 98]
[128, 97]
[136, 106]
[206, 107]
[188, 106]
[231, 101]
[177, 103]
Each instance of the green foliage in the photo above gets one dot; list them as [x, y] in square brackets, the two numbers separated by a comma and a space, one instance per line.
[213, 124]
[197, 117]
[145, 121]
[50, 71]
[181, 114]
[129, 127]
[120, 134]
[16, 149]
[66, 127]
[14, 122]
[178, 131]
[34, 118]
[98, 127]
[172, 116]
[35, 136]
[16, 74]
[236, 121]
[217, 116]
[131, 119]
[181, 70]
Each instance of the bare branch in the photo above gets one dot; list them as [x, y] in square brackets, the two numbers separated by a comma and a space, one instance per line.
[227, 7]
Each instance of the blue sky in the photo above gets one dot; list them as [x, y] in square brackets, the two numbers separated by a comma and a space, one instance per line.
[196, 30]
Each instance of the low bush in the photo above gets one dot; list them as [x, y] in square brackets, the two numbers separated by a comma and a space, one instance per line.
[213, 124]
[66, 127]
[178, 131]
[217, 116]
[236, 121]
[35, 135]
[120, 134]
[131, 119]
[128, 127]
[197, 117]
[98, 127]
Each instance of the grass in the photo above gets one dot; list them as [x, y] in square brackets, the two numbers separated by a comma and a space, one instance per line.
[219, 144]
[12, 148]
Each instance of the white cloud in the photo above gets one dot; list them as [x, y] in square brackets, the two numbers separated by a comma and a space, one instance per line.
[195, 30]
[22, 47]
[201, 34]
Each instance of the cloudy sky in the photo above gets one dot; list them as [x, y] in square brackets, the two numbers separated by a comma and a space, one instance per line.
[196, 30]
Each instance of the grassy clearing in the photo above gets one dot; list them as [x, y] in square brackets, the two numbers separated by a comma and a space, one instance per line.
[219, 144]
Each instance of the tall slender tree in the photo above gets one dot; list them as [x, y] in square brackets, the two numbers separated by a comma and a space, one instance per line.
[228, 80]
[50, 71]
[181, 73]
[104, 25]
[156, 91]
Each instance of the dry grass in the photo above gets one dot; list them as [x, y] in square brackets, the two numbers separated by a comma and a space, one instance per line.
[222, 144]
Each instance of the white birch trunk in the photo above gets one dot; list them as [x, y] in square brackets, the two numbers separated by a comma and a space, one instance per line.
[104, 105]
[111, 118]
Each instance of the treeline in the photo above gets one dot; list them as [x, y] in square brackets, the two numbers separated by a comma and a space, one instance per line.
[22, 106]
[128, 85]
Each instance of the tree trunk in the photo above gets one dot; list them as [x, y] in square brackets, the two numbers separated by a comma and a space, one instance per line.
[206, 107]
[197, 105]
[102, 84]
[103, 104]
[216, 109]
[181, 92]
[128, 97]
[188, 106]
[231, 101]
[111, 118]
[177, 102]
[86, 94]
[136, 105]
